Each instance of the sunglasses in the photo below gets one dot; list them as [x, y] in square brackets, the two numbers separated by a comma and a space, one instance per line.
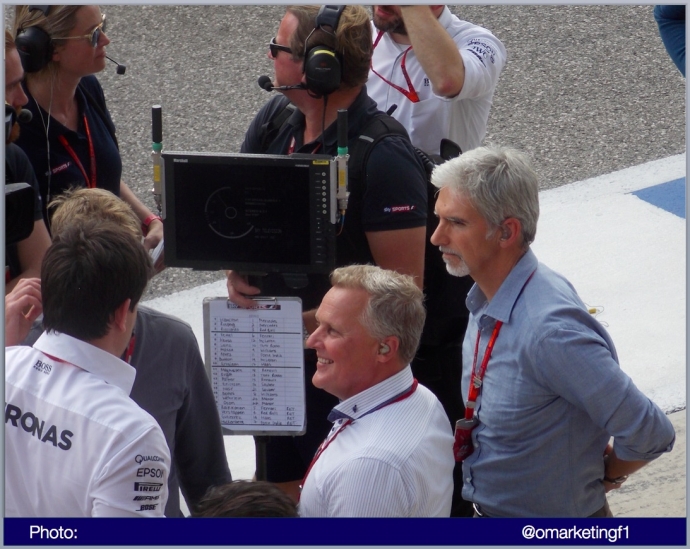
[93, 37]
[275, 48]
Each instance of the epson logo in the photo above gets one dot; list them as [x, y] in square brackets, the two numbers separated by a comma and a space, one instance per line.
[147, 472]
[147, 486]
[36, 427]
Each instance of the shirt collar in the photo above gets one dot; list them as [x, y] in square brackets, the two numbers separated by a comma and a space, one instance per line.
[502, 304]
[354, 112]
[87, 357]
[366, 401]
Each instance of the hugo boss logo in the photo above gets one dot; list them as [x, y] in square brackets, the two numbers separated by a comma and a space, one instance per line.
[43, 367]
[37, 427]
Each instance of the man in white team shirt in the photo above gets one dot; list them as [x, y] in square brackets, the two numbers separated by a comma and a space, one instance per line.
[389, 453]
[440, 71]
[76, 445]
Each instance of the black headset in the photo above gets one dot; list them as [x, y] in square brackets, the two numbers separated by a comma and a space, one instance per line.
[323, 65]
[34, 45]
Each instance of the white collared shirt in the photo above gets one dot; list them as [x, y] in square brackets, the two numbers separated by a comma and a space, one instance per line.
[75, 443]
[396, 461]
[462, 118]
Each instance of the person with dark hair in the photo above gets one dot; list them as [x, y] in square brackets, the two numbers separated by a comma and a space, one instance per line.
[67, 408]
[245, 498]
[389, 452]
[386, 216]
[22, 259]
[171, 382]
[71, 139]
[541, 378]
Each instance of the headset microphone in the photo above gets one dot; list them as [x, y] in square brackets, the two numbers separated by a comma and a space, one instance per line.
[120, 68]
[266, 84]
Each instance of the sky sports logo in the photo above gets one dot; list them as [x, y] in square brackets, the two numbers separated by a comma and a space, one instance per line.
[398, 209]
[147, 486]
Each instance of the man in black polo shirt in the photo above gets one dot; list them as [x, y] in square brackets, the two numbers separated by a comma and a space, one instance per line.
[386, 216]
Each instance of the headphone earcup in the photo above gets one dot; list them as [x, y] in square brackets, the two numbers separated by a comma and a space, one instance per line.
[322, 70]
[35, 48]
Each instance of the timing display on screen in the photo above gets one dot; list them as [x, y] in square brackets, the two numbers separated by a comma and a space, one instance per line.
[248, 212]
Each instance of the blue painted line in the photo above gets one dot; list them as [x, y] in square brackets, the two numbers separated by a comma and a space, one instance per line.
[668, 196]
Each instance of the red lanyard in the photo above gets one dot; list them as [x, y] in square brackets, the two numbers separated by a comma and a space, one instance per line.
[90, 183]
[291, 148]
[130, 350]
[477, 377]
[410, 92]
[326, 443]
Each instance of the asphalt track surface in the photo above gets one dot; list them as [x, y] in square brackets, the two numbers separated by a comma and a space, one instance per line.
[587, 89]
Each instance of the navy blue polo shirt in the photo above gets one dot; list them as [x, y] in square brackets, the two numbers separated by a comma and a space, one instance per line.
[63, 172]
[393, 197]
[19, 170]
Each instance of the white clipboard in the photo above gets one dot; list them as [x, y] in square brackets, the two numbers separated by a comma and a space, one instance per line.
[255, 361]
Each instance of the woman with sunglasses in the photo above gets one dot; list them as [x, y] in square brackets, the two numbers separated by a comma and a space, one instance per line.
[71, 138]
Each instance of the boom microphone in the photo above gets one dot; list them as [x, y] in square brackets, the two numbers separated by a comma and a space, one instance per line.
[266, 84]
[24, 116]
[120, 68]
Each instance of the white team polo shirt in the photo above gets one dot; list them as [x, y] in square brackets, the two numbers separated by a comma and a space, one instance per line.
[396, 461]
[462, 118]
[75, 443]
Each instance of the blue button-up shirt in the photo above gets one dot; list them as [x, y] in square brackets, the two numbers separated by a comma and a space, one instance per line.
[552, 396]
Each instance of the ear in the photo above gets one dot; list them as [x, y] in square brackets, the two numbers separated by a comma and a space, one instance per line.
[391, 343]
[510, 233]
[120, 316]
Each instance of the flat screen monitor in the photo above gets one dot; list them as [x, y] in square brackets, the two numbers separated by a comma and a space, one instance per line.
[248, 212]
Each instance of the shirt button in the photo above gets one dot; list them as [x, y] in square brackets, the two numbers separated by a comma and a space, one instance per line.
[468, 479]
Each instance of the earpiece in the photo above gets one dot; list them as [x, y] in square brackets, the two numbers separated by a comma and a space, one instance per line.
[505, 234]
[322, 65]
[384, 349]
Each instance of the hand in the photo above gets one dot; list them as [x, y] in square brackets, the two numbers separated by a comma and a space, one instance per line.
[154, 236]
[22, 306]
[238, 287]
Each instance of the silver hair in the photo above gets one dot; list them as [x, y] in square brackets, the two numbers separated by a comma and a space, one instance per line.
[395, 306]
[499, 181]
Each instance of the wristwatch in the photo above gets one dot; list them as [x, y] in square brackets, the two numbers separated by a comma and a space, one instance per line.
[618, 480]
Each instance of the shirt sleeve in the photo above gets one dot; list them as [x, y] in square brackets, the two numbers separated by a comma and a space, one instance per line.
[199, 449]
[24, 173]
[594, 382]
[366, 487]
[484, 57]
[134, 480]
[396, 187]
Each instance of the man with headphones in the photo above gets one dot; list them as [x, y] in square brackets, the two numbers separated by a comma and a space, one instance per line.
[23, 259]
[321, 58]
[389, 453]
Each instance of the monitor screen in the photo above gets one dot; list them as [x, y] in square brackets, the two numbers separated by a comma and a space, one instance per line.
[252, 213]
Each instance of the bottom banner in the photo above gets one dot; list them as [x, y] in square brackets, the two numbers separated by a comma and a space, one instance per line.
[391, 532]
